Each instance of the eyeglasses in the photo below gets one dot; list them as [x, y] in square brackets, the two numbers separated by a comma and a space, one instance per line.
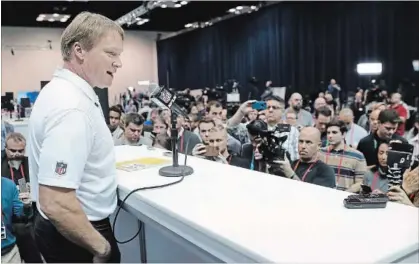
[16, 150]
[274, 107]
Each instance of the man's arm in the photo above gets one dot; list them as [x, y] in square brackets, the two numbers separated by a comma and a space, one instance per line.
[64, 152]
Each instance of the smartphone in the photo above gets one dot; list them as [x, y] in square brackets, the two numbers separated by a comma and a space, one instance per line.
[259, 105]
[211, 151]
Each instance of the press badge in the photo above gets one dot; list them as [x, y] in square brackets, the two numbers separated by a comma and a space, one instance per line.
[3, 231]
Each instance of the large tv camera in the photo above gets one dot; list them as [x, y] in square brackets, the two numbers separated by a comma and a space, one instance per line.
[270, 141]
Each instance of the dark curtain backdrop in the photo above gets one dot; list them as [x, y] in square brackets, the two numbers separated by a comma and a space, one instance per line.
[298, 45]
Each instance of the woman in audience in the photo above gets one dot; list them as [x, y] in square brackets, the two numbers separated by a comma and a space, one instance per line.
[377, 177]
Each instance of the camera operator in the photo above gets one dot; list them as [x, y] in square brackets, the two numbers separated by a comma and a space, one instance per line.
[251, 150]
[216, 149]
[274, 113]
[308, 168]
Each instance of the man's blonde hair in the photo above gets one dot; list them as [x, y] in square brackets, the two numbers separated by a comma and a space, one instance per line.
[86, 28]
[16, 137]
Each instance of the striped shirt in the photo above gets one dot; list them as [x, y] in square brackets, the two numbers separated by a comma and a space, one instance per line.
[349, 165]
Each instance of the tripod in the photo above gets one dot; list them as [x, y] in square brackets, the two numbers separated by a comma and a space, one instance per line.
[175, 170]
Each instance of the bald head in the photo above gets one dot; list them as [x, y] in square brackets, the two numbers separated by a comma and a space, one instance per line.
[346, 112]
[311, 132]
[319, 102]
[347, 116]
[296, 101]
[396, 98]
[309, 143]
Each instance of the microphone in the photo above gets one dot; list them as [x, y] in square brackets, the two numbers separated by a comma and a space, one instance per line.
[166, 99]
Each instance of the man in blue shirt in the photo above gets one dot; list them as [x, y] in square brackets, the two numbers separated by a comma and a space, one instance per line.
[12, 205]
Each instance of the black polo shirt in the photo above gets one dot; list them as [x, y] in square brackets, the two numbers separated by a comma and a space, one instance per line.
[369, 146]
[318, 173]
[21, 172]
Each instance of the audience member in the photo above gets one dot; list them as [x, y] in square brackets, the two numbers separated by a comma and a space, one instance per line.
[132, 136]
[387, 125]
[115, 115]
[396, 100]
[304, 118]
[13, 205]
[323, 117]
[308, 168]
[354, 132]
[348, 164]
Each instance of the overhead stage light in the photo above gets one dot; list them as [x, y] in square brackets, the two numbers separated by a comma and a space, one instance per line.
[369, 68]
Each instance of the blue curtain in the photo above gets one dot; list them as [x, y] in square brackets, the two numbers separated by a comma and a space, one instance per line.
[298, 45]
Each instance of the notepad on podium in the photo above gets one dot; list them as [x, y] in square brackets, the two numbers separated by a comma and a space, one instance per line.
[141, 164]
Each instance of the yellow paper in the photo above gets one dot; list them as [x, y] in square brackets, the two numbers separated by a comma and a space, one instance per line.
[141, 163]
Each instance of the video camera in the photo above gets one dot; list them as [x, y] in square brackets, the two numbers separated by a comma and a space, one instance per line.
[270, 140]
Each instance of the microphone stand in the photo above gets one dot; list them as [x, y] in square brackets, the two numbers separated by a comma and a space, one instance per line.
[175, 170]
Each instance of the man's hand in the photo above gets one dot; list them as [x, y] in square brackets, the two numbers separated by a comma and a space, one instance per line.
[355, 188]
[377, 191]
[411, 180]
[246, 107]
[25, 197]
[396, 194]
[198, 150]
[103, 256]
[285, 167]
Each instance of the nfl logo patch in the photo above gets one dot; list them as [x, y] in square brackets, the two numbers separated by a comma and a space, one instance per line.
[60, 168]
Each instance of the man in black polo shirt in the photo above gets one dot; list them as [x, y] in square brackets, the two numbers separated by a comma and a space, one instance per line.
[387, 125]
[309, 168]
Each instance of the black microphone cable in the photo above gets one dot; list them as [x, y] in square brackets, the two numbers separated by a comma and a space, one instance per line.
[121, 204]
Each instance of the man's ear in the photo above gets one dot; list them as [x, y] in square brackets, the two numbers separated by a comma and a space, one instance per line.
[78, 51]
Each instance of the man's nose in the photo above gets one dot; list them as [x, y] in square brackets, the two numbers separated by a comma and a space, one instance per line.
[118, 63]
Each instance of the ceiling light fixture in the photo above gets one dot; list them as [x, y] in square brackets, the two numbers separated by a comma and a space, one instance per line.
[242, 9]
[184, 2]
[178, 5]
[142, 21]
[53, 17]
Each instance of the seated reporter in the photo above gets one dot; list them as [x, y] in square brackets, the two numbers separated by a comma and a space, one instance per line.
[308, 168]
[217, 143]
[13, 205]
[133, 128]
[348, 163]
[376, 179]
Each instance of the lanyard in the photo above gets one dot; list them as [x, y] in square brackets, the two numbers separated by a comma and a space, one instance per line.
[252, 163]
[12, 173]
[305, 174]
[374, 181]
[340, 162]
